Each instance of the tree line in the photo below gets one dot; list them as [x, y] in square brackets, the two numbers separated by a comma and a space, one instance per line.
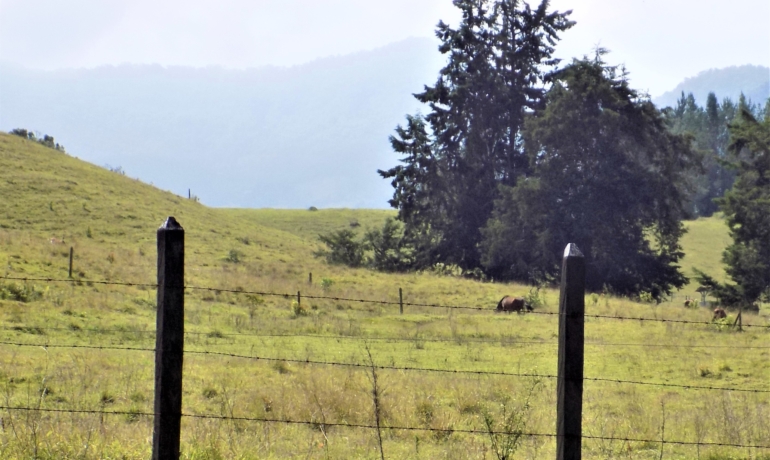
[518, 155]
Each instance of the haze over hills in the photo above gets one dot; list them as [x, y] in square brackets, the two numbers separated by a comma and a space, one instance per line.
[751, 80]
[308, 135]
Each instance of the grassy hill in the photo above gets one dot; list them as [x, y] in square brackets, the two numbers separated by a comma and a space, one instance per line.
[64, 344]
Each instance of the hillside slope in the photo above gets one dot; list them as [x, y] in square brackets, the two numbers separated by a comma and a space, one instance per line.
[263, 343]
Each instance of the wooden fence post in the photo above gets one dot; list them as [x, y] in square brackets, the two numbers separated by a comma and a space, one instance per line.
[310, 278]
[400, 301]
[71, 253]
[299, 300]
[169, 345]
[569, 384]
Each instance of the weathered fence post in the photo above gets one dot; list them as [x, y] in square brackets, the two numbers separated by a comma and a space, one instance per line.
[71, 253]
[310, 278]
[169, 345]
[299, 300]
[569, 384]
[400, 301]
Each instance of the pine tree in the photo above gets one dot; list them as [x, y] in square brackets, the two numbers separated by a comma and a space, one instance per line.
[470, 141]
[606, 171]
[747, 208]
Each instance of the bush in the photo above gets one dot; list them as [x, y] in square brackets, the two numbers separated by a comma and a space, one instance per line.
[20, 292]
[235, 256]
[343, 249]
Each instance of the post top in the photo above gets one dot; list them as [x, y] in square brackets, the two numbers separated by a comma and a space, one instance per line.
[572, 251]
[171, 224]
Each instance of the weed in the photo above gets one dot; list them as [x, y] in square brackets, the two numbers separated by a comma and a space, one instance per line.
[326, 284]
[234, 256]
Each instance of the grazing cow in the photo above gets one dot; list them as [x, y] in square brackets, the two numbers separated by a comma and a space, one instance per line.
[688, 303]
[517, 304]
[719, 313]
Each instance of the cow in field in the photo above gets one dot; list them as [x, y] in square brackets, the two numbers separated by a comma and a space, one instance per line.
[517, 304]
[689, 303]
[719, 313]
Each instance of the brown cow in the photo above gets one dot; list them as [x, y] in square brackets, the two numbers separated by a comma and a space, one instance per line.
[719, 313]
[517, 304]
[688, 303]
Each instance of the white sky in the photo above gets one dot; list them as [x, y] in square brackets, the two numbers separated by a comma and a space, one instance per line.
[660, 41]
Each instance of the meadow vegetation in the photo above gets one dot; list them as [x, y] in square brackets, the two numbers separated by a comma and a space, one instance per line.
[253, 355]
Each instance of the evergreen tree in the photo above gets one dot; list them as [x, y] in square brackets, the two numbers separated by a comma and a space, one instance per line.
[470, 141]
[747, 211]
[605, 176]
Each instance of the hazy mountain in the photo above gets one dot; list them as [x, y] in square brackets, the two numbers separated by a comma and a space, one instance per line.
[752, 80]
[307, 135]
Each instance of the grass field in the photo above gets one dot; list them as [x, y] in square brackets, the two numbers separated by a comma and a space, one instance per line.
[83, 346]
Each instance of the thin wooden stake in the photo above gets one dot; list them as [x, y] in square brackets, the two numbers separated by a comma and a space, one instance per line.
[569, 384]
[169, 346]
[299, 300]
[310, 278]
[71, 254]
[400, 301]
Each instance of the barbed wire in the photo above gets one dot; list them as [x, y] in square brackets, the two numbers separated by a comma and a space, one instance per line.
[371, 301]
[90, 347]
[367, 366]
[317, 423]
[464, 371]
[465, 339]
[77, 280]
[77, 411]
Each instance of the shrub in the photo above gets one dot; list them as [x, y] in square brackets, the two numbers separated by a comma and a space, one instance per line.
[20, 292]
[297, 309]
[326, 283]
[235, 256]
[343, 249]
[312, 208]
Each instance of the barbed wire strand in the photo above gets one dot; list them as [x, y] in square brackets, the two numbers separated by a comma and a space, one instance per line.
[466, 371]
[78, 280]
[366, 426]
[456, 339]
[397, 368]
[90, 347]
[381, 302]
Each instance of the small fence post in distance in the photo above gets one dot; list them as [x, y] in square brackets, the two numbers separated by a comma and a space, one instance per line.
[71, 253]
[299, 300]
[569, 383]
[400, 301]
[169, 346]
[310, 278]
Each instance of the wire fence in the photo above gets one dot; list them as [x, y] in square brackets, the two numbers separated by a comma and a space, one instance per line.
[392, 368]
[327, 424]
[286, 295]
[371, 365]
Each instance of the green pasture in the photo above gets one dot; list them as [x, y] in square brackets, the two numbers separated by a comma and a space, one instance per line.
[253, 355]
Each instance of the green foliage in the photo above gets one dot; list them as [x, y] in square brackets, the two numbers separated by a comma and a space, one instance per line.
[390, 251]
[604, 176]
[326, 283]
[747, 212]
[46, 140]
[469, 142]
[383, 249]
[20, 292]
[343, 249]
[506, 425]
[708, 130]
[298, 309]
[234, 256]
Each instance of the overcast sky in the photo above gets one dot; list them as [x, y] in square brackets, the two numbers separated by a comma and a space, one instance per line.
[660, 41]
